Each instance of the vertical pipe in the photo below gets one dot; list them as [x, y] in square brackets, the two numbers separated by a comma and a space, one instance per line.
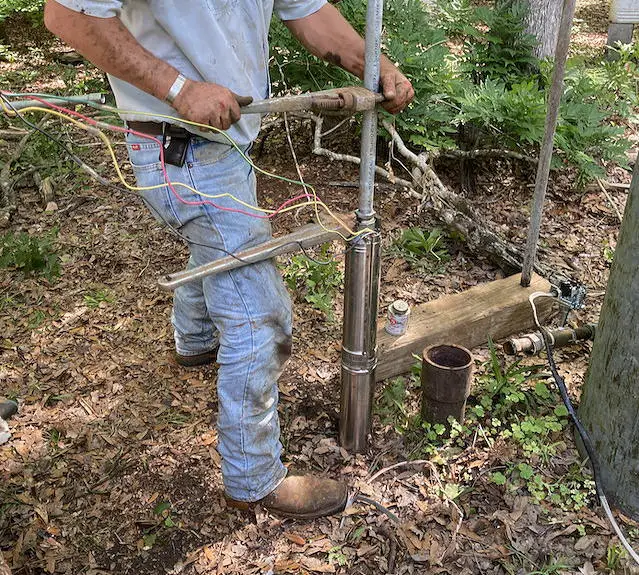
[361, 289]
[369, 123]
[545, 154]
[359, 343]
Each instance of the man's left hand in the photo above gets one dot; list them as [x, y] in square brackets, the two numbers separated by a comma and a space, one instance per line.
[397, 89]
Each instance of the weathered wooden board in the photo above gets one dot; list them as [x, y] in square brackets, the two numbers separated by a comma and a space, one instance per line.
[496, 309]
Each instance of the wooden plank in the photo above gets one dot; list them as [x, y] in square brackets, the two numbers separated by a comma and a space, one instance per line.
[496, 309]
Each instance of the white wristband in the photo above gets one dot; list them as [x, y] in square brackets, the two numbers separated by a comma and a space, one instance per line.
[175, 89]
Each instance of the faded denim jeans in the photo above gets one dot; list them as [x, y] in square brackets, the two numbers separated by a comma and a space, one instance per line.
[248, 308]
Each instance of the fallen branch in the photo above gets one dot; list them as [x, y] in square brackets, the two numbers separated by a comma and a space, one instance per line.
[320, 151]
[456, 213]
[451, 209]
[610, 201]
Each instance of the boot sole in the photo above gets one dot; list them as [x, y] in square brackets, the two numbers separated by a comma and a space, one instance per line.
[250, 506]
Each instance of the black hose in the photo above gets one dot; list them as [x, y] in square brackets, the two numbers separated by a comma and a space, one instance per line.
[563, 392]
[590, 450]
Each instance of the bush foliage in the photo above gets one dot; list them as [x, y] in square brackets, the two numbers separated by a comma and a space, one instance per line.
[31, 8]
[478, 84]
[476, 80]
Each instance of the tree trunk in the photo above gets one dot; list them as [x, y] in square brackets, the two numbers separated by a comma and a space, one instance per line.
[543, 22]
[610, 401]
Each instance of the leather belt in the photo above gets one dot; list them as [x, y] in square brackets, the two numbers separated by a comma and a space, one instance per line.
[160, 129]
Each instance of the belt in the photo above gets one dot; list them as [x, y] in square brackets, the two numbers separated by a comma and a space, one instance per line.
[160, 129]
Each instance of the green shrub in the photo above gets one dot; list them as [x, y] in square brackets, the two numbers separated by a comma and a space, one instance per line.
[474, 74]
[316, 281]
[30, 253]
[423, 250]
[30, 8]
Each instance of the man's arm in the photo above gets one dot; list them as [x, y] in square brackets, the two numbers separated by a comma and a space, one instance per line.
[110, 46]
[328, 35]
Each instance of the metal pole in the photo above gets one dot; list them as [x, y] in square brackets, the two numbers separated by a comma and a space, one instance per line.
[96, 98]
[359, 343]
[545, 154]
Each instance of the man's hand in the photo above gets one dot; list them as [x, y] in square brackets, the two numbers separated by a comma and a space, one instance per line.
[397, 89]
[210, 104]
[327, 34]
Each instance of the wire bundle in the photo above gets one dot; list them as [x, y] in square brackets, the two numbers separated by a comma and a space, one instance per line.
[99, 128]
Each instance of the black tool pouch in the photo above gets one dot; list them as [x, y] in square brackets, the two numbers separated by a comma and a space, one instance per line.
[175, 141]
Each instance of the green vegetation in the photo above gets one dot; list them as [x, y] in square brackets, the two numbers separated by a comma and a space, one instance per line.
[424, 251]
[30, 253]
[478, 85]
[513, 405]
[30, 8]
[94, 298]
[315, 281]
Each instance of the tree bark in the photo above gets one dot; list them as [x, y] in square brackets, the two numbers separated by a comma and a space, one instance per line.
[543, 22]
[610, 401]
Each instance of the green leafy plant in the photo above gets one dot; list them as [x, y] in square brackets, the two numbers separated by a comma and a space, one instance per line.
[316, 282]
[424, 250]
[478, 84]
[391, 406]
[30, 8]
[30, 253]
[95, 298]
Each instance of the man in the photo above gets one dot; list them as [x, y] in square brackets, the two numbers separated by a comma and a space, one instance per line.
[200, 60]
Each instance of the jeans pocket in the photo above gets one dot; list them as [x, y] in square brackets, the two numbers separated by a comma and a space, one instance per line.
[144, 155]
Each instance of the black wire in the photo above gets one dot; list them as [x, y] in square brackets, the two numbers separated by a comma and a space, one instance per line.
[563, 392]
[82, 164]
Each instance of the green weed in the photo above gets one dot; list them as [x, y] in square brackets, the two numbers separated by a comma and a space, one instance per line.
[423, 250]
[94, 298]
[315, 282]
[512, 404]
[614, 554]
[30, 253]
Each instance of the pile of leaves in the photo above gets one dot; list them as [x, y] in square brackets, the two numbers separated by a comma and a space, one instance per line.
[478, 84]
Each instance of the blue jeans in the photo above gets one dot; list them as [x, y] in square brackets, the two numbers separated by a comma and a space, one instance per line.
[248, 308]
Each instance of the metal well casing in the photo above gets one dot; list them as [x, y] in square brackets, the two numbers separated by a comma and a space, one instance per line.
[359, 343]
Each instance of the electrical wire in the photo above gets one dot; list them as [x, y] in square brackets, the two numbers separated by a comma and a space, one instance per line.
[93, 173]
[583, 433]
[65, 113]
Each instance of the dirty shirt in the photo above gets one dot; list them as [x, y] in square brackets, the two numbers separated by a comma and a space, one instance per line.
[219, 41]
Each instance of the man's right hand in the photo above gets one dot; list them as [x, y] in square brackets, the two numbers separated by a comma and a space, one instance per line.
[209, 104]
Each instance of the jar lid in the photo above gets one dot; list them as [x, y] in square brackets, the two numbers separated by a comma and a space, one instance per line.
[400, 306]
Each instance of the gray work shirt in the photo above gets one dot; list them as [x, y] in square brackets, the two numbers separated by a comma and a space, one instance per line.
[220, 41]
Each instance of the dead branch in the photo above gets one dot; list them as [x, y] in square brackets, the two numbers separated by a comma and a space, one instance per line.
[320, 151]
[602, 187]
[12, 134]
[457, 214]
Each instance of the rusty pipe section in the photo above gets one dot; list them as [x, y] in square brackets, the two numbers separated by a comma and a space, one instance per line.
[446, 378]
[533, 343]
[348, 99]
[304, 237]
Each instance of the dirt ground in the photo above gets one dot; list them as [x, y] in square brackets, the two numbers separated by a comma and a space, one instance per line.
[112, 467]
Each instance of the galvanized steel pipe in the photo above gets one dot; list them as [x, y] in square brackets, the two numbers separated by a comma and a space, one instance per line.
[545, 154]
[361, 290]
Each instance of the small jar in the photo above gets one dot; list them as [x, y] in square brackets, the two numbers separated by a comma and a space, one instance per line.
[397, 318]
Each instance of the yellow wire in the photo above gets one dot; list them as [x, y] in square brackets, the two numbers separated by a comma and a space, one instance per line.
[317, 202]
[105, 139]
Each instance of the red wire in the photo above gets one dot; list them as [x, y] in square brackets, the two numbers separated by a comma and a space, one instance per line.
[165, 174]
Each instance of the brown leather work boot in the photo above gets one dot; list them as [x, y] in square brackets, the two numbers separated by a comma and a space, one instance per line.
[302, 497]
[196, 360]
